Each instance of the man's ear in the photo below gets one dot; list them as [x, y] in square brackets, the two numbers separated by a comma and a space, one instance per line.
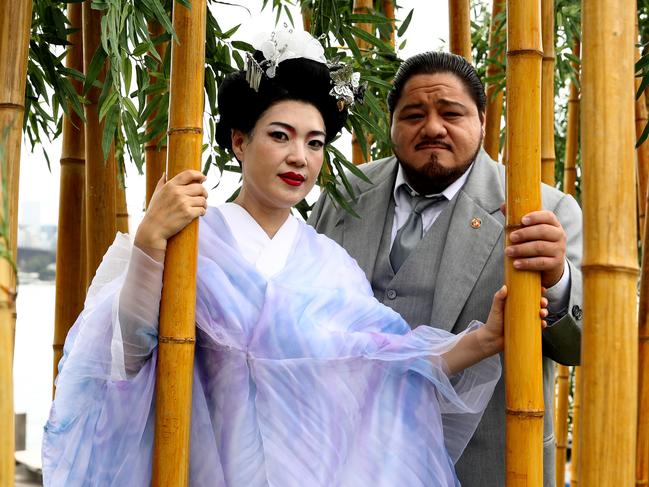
[239, 141]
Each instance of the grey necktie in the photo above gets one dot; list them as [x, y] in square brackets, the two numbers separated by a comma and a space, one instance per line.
[412, 231]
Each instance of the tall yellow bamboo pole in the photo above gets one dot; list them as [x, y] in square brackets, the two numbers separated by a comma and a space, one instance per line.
[388, 11]
[547, 93]
[643, 150]
[569, 181]
[494, 110]
[361, 7]
[15, 24]
[100, 175]
[177, 333]
[642, 446]
[121, 210]
[71, 282]
[561, 421]
[523, 373]
[609, 343]
[459, 28]
[572, 133]
[155, 153]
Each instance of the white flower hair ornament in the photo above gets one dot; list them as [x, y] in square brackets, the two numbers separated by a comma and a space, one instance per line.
[288, 44]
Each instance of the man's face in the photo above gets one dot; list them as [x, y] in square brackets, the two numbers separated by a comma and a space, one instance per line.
[436, 131]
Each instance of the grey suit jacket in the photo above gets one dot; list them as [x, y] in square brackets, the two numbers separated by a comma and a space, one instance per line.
[471, 270]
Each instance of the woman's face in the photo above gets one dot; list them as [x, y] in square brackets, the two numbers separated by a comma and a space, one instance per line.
[282, 156]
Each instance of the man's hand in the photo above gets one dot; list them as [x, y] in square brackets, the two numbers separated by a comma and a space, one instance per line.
[540, 245]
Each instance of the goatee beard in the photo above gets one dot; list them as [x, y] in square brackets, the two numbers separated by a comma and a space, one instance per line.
[433, 178]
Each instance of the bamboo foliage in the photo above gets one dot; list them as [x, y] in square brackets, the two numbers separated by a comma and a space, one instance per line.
[459, 28]
[523, 372]
[177, 333]
[15, 21]
[70, 285]
[495, 96]
[100, 175]
[361, 7]
[609, 387]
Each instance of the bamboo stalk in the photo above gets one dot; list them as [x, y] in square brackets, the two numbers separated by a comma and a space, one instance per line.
[494, 109]
[100, 175]
[572, 134]
[642, 442]
[643, 150]
[609, 342]
[561, 422]
[15, 24]
[307, 11]
[362, 7]
[569, 186]
[576, 428]
[459, 28]
[155, 152]
[547, 93]
[642, 445]
[177, 332]
[523, 372]
[388, 11]
[121, 210]
[70, 284]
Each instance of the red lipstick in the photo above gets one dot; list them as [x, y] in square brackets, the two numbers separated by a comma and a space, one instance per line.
[292, 178]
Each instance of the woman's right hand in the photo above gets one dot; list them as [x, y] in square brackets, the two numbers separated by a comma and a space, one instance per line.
[173, 206]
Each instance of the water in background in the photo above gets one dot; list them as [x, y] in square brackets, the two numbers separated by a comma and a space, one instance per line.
[33, 357]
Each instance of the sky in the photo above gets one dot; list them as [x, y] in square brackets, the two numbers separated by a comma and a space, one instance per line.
[39, 188]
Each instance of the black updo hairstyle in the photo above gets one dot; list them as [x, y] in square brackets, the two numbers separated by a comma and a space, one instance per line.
[299, 79]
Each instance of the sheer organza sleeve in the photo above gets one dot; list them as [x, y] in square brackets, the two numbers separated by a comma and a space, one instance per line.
[135, 314]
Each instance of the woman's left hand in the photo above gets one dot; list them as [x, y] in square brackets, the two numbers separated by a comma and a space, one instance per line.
[492, 334]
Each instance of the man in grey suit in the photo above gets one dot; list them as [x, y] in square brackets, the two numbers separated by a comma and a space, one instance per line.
[438, 260]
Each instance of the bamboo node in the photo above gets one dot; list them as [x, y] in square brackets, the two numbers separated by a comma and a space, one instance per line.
[73, 160]
[185, 130]
[532, 413]
[610, 268]
[15, 106]
[173, 340]
[523, 52]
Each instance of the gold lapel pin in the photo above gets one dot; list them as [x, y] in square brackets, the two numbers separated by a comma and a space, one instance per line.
[476, 223]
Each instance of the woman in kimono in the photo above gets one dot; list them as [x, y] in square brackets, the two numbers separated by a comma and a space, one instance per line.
[301, 377]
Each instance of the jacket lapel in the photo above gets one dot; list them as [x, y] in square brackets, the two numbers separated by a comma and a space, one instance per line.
[361, 237]
[475, 229]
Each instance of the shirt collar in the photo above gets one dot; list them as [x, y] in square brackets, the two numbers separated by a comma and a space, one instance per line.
[449, 192]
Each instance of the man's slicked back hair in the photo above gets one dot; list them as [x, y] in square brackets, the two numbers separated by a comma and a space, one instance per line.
[433, 62]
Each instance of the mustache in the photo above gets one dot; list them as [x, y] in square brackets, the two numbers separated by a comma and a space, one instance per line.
[439, 142]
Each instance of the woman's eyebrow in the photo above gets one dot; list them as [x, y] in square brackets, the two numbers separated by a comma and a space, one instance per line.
[292, 129]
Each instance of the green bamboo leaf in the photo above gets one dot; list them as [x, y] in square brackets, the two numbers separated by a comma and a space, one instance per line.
[96, 64]
[107, 104]
[404, 25]
[375, 41]
[351, 43]
[368, 19]
[244, 46]
[110, 125]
